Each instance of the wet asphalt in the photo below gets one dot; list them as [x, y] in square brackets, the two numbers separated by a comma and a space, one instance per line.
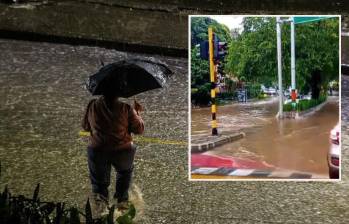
[41, 104]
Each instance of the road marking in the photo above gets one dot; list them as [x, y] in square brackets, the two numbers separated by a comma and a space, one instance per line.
[146, 139]
[241, 172]
[252, 173]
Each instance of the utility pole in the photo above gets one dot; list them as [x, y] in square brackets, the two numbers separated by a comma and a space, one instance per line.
[279, 58]
[213, 81]
[293, 64]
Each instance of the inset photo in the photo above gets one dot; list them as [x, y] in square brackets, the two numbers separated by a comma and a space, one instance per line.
[265, 97]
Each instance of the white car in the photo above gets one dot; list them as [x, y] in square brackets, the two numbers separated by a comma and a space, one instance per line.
[333, 154]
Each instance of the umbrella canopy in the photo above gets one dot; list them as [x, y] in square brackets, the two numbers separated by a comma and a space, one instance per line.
[128, 77]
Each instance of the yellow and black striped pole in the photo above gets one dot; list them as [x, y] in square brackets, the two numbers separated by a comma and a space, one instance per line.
[213, 81]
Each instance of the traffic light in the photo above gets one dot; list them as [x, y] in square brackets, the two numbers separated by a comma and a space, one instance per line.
[220, 49]
[202, 50]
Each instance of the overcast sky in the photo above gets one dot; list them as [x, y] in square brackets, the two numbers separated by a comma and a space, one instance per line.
[230, 21]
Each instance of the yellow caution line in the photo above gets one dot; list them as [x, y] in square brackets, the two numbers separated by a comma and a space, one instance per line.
[84, 133]
[145, 139]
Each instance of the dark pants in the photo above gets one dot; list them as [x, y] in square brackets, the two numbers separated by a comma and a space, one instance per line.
[100, 161]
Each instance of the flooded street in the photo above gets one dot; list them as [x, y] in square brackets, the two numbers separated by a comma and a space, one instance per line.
[293, 144]
[41, 106]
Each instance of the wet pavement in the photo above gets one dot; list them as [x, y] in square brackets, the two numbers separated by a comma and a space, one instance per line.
[41, 105]
[293, 144]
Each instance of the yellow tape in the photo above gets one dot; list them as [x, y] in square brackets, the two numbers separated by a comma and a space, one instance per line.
[84, 133]
[214, 124]
[213, 93]
[213, 108]
[145, 139]
[159, 141]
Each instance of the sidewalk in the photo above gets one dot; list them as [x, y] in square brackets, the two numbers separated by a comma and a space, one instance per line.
[204, 142]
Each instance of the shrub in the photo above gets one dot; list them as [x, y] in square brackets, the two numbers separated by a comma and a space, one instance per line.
[305, 104]
[227, 95]
[253, 90]
[22, 210]
[201, 96]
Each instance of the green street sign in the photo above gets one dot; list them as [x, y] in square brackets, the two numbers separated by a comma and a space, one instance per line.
[309, 19]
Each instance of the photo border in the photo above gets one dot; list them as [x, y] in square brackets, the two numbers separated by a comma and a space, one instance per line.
[265, 179]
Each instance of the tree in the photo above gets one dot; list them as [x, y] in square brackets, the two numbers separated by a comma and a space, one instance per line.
[199, 30]
[253, 54]
[200, 73]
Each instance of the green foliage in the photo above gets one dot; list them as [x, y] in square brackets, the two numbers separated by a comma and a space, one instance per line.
[262, 96]
[202, 95]
[227, 95]
[128, 216]
[305, 104]
[253, 90]
[74, 216]
[199, 30]
[200, 71]
[22, 210]
[253, 54]
[88, 212]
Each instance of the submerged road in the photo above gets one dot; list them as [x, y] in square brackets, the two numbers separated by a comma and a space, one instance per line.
[292, 144]
[41, 104]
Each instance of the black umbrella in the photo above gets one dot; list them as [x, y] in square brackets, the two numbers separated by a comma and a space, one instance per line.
[128, 77]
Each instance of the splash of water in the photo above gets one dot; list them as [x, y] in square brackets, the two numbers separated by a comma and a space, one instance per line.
[136, 198]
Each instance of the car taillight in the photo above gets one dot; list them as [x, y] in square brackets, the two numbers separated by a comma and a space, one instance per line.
[334, 137]
[335, 161]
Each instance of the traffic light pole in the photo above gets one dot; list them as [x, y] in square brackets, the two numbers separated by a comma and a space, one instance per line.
[213, 81]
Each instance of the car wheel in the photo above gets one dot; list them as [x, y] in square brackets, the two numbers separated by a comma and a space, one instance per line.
[334, 174]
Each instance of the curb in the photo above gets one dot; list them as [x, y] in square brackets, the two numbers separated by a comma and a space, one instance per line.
[256, 173]
[220, 140]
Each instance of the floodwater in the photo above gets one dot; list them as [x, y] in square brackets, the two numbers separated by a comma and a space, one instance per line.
[294, 144]
[41, 106]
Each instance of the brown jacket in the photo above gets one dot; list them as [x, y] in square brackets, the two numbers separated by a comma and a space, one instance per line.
[111, 124]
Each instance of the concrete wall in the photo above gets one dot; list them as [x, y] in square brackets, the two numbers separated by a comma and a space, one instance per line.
[154, 26]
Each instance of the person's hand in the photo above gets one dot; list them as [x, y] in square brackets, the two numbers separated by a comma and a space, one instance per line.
[138, 107]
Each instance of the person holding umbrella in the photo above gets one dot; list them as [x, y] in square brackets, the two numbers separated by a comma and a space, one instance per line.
[111, 123]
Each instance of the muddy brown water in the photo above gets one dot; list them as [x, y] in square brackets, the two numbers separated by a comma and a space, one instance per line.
[300, 144]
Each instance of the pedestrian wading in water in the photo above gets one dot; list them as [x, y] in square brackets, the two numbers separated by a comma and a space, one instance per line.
[111, 123]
